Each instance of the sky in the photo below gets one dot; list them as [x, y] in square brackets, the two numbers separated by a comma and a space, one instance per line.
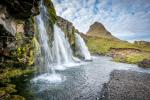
[125, 19]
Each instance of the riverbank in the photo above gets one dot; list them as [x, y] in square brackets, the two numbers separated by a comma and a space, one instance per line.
[120, 51]
[8, 72]
[126, 85]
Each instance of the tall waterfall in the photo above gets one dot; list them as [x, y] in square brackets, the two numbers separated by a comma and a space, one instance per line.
[82, 49]
[57, 55]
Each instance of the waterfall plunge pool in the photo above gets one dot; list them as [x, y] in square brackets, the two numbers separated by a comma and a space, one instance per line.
[81, 82]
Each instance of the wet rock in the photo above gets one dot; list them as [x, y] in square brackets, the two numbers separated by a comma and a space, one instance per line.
[144, 63]
[21, 9]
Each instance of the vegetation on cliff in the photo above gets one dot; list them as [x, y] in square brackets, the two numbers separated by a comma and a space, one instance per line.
[18, 44]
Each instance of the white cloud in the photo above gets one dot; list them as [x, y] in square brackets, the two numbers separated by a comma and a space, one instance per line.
[121, 17]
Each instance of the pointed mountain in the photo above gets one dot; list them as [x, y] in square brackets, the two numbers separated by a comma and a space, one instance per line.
[98, 30]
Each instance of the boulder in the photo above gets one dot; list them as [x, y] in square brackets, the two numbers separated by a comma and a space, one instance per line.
[144, 63]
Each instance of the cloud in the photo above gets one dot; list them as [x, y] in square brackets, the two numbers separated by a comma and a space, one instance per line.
[121, 17]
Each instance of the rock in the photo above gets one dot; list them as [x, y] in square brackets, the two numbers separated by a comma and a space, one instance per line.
[144, 63]
[17, 28]
[142, 43]
[126, 85]
[122, 52]
[21, 9]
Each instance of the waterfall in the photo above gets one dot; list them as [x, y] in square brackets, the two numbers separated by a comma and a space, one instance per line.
[56, 54]
[61, 50]
[46, 56]
[82, 49]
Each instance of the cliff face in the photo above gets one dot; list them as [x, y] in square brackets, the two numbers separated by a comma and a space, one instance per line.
[21, 9]
[18, 45]
[98, 30]
[17, 29]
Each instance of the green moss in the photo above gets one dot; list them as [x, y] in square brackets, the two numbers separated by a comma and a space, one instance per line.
[51, 11]
[119, 59]
[6, 93]
[27, 49]
[8, 73]
[7, 89]
[134, 59]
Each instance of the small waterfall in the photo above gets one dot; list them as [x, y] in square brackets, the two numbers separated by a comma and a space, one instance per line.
[61, 50]
[46, 56]
[82, 49]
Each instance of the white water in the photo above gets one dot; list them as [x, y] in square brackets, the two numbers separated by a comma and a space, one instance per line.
[46, 55]
[61, 50]
[56, 54]
[82, 49]
[55, 57]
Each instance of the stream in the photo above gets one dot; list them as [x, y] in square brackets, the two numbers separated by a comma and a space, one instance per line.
[81, 82]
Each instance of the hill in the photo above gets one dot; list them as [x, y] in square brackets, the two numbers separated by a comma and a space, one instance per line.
[100, 41]
[98, 30]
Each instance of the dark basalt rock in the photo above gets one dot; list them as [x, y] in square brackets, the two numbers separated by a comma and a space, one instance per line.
[21, 9]
[126, 85]
[144, 63]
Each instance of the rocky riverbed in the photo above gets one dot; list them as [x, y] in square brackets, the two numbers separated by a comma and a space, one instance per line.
[127, 85]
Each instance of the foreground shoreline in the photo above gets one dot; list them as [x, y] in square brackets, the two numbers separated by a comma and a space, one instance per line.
[126, 85]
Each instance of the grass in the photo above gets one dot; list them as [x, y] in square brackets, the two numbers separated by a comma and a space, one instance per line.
[103, 45]
[132, 59]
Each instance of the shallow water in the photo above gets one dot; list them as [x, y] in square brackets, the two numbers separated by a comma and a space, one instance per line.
[82, 82]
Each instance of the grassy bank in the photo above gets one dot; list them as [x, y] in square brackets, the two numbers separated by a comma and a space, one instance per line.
[122, 51]
[7, 88]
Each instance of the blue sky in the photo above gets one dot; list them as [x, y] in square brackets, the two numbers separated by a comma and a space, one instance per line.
[125, 19]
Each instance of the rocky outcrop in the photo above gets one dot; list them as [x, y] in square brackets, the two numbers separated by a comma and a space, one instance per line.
[18, 45]
[142, 43]
[98, 30]
[16, 22]
[17, 29]
[21, 9]
[145, 63]
[121, 52]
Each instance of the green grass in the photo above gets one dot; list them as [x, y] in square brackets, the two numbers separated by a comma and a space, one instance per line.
[103, 46]
[132, 59]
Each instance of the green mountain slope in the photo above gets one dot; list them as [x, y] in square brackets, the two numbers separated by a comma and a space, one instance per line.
[100, 41]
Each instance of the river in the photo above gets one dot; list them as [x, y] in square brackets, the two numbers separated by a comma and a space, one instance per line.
[82, 82]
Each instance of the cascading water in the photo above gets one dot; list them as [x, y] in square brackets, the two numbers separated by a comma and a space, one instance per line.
[56, 56]
[46, 56]
[61, 48]
[82, 49]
